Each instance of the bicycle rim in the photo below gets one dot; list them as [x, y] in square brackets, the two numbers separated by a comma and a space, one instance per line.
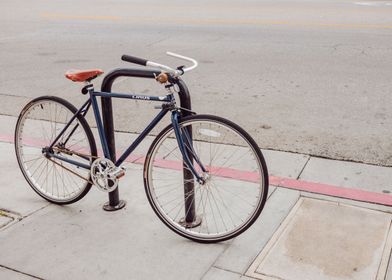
[38, 125]
[234, 194]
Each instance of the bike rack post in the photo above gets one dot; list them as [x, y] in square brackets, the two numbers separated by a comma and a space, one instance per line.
[114, 202]
[190, 219]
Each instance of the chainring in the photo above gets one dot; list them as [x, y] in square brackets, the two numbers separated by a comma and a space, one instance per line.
[102, 175]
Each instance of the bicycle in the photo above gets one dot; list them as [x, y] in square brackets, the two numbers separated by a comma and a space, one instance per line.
[222, 194]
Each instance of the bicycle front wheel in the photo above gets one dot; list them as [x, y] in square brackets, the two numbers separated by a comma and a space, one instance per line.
[234, 193]
[39, 123]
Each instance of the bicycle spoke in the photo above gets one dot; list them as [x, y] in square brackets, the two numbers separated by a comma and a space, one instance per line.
[38, 125]
[224, 206]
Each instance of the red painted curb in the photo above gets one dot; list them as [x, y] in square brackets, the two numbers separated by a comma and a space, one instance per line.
[330, 190]
[300, 185]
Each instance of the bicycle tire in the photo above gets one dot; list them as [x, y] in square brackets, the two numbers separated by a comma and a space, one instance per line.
[49, 114]
[163, 168]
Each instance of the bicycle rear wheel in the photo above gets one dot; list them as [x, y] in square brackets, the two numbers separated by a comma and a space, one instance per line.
[236, 189]
[38, 124]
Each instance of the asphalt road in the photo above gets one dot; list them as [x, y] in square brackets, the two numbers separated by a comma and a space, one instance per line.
[313, 77]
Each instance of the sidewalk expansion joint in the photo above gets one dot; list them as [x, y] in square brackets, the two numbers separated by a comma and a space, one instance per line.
[21, 272]
[303, 168]
[270, 239]
[226, 246]
[37, 210]
[386, 255]
[228, 270]
[15, 217]
[13, 95]
[221, 269]
[11, 216]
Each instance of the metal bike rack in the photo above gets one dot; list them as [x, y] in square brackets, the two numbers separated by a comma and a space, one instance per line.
[114, 202]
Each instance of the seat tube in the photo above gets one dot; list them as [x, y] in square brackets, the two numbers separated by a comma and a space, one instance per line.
[98, 119]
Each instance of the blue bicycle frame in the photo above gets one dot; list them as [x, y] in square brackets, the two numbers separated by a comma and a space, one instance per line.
[168, 105]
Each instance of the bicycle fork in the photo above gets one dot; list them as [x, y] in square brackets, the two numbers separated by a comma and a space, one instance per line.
[191, 219]
[184, 141]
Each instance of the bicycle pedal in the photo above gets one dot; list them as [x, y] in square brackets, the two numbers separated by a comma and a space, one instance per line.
[118, 172]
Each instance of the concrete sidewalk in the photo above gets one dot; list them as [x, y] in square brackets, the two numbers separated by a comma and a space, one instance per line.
[299, 235]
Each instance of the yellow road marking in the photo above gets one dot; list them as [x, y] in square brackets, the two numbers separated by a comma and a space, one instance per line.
[257, 22]
[206, 21]
[83, 17]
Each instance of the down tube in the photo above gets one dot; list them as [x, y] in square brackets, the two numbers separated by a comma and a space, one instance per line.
[140, 138]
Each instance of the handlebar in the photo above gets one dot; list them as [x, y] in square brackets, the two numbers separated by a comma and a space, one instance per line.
[175, 72]
[133, 59]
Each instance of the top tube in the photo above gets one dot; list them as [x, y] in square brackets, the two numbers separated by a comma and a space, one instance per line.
[166, 98]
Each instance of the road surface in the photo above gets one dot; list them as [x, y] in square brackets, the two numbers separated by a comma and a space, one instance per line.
[312, 77]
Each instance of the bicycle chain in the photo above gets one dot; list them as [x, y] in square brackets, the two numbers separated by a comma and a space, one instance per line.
[69, 170]
[69, 152]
